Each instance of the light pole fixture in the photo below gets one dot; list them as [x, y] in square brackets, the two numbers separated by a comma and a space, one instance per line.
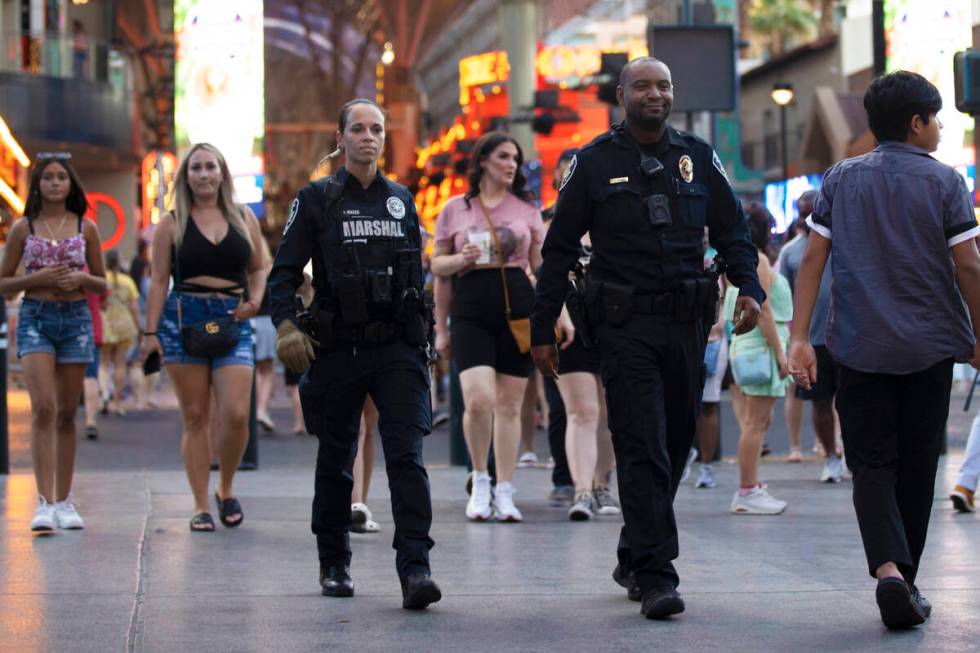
[388, 55]
[782, 95]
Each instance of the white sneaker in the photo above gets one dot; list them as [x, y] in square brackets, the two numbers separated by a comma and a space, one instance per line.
[833, 470]
[44, 519]
[605, 502]
[687, 468]
[66, 514]
[706, 477]
[527, 459]
[757, 502]
[478, 507]
[504, 508]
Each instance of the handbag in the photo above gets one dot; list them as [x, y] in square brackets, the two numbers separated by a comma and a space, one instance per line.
[210, 338]
[751, 367]
[520, 328]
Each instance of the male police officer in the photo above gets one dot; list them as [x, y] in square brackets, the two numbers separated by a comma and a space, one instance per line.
[645, 192]
[370, 328]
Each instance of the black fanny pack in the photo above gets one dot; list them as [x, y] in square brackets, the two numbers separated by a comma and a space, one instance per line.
[210, 338]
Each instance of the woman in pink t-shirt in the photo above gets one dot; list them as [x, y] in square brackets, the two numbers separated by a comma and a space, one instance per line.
[493, 373]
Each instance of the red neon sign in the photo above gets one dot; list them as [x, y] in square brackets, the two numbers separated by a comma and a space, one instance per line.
[94, 199]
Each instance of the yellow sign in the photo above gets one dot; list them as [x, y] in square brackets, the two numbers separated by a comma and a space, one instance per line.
[480, 69]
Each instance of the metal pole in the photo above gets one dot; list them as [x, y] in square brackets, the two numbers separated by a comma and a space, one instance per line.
[687, 18]
[878, 36]
[783, 139]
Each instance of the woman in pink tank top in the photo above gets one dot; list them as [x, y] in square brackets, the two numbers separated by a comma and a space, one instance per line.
[62, 258]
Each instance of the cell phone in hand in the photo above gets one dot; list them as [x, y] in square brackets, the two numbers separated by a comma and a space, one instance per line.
[152, 363]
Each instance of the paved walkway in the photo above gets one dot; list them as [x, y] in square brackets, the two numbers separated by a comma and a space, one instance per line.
[137, 579]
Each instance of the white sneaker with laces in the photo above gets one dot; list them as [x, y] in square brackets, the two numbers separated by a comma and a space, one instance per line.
[833, 470]
[706, 477]
[44, 519]
[478, 507]
[503, 501]
[66, 514]
[756, 502]
[527, 459]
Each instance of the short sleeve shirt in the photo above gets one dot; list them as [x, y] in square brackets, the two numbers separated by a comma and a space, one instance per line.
[518, 227]
[892, 216]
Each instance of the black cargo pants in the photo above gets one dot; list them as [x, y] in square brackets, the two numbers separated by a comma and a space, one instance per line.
[332, 392]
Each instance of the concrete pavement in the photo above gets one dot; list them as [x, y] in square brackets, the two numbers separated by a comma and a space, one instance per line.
[137, 579]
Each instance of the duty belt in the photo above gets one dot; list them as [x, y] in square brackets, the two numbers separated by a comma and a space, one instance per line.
[372, 333]
[654, 304]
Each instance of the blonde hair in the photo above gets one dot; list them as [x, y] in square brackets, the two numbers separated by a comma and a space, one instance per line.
[183, 200]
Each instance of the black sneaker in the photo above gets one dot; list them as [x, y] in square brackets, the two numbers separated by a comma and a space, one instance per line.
[561, 495]
[898, 609]
[418, 591]
[661, 602]
[627, 582]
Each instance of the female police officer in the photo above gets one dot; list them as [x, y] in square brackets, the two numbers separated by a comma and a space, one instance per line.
[367, 335]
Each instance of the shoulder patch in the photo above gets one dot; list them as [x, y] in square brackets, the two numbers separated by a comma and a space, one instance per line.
[569, 172]
[717, 163]
[293, 210]
[396, 207]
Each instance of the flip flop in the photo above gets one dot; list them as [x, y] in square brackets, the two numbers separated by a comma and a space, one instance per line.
[202, 522]
[227, 507]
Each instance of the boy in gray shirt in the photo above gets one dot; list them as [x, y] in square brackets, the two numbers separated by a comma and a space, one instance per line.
[901, 228]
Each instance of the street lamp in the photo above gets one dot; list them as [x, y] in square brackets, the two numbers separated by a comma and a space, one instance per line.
[782, 95]
[388, 55]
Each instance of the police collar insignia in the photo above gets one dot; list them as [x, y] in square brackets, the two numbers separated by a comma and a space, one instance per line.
[686, 167]
[396, 207]
[293, 210]
[569, 172]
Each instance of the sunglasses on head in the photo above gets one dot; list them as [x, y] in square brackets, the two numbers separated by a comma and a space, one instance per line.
[47, 156]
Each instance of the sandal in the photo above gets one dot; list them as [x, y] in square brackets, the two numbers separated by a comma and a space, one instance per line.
[228, 507]
[202, 522]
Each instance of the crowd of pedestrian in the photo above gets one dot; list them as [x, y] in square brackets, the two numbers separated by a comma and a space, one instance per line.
[633, 383]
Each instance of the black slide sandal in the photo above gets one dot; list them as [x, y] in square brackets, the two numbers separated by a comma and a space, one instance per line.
[227, 507]
[202, 522]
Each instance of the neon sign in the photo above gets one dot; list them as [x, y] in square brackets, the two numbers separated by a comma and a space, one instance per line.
[159, 170]
[110, 202]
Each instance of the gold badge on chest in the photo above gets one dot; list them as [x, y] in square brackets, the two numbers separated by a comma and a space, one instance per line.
[686, 167]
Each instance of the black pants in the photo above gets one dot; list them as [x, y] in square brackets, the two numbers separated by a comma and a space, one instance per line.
[332, 393]
[557, 421]
[892, 426]
[653, 372]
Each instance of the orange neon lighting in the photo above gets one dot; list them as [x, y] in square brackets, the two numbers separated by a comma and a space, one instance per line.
[11, 142]
[12, 198]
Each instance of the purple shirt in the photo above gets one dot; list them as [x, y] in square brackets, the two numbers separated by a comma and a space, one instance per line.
[892, 216]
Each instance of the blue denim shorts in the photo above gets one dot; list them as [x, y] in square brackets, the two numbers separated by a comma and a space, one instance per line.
[52, 327]
[196, 308]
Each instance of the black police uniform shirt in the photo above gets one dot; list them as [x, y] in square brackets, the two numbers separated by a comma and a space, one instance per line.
[371, 224]
[604, 193]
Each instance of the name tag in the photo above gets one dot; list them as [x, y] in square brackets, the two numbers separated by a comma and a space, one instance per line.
[618, 180]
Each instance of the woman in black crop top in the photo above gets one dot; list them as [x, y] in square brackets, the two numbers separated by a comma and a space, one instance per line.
[211, 245]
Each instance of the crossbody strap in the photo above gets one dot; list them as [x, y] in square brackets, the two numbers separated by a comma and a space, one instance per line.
[500, 255]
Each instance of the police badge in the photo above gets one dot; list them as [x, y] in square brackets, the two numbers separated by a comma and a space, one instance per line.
[686, 167]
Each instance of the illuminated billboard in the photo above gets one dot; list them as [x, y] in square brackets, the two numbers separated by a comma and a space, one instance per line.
[923, 37]
[781, 196]
[219, 86]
